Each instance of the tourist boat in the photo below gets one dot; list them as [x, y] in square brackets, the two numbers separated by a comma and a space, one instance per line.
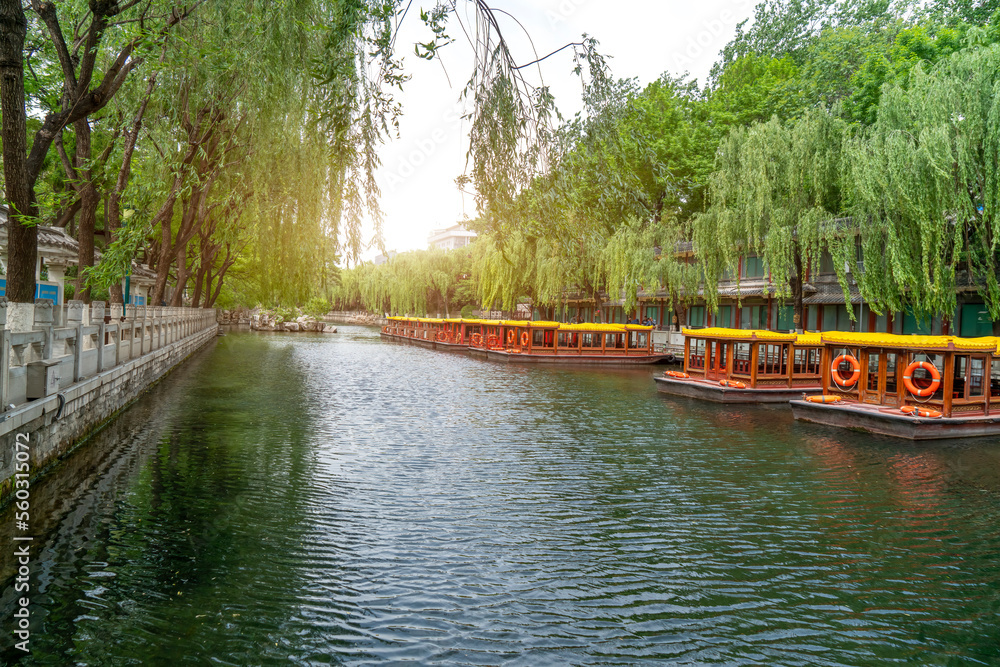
[521, 341]
[915, 387]
[746, 366]
[450, 334]
[457, 334]
[419, 330]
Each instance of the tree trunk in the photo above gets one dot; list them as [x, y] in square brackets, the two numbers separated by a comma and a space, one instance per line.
[89, 199]
[208, 287]
[796, 281]
[22, 240]
[199, 281]
[679, 311]
[177, 298]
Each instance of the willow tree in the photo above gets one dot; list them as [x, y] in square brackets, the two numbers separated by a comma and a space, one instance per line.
[622, 177]
[775, 191]
[96, 47]
[925, 187]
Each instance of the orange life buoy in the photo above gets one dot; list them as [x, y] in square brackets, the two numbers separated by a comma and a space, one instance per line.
[477, 339]
[524, 339]
[677, 374]
[440, 336]
[493, 342]
[824, 399]
[928, 390]
[919, 412]
[733, 384]
[510, 336]
[835, 373]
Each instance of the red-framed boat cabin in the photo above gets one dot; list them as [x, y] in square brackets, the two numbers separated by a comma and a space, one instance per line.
[746, 366]
[915, 387]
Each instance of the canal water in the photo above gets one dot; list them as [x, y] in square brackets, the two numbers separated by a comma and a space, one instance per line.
[335, 499]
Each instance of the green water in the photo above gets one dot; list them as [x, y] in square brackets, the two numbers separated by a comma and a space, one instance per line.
[300, 499]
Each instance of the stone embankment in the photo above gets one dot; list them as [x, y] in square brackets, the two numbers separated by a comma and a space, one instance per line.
[237, 316]
[67, 370]
[267, 320]
[348, 317]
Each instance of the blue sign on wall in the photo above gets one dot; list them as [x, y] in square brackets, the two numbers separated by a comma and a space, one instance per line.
[47, 292]
[41, 291]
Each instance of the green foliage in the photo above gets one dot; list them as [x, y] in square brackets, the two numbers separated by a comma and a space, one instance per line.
[925, 186]
[285, 314]
[316, 307]
[775, 191]
[414, 283]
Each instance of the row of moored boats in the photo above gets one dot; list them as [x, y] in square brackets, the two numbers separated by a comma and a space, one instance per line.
[526, 341]
[916, 387]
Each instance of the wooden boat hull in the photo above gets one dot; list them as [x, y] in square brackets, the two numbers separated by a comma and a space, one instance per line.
[889, 421]
[406, 339]
[712, 391]
[575, 359]
[450, 347]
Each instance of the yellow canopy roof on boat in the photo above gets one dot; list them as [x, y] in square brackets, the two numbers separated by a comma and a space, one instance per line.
[809, 339]
[515, 323]
[429, 320]
[745, 334]
[595, 326]
[985, 344]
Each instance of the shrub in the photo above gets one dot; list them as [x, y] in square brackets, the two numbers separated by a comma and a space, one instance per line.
[316, 307]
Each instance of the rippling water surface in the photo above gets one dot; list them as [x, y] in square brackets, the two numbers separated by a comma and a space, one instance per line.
[306, 499]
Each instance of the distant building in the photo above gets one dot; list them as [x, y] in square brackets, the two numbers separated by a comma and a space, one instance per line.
[456, 236]
[382, 259]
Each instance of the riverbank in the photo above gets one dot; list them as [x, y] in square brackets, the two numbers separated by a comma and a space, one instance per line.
[349, 317]
[75, 369]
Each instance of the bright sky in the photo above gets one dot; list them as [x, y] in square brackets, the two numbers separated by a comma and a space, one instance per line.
[644, 38]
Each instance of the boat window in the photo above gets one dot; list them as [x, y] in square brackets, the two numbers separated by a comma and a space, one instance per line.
[807, 361]
[891, 387]
[696, 358]
[958, 380]
[642, 340]
[872, 377]
[741, 358]
[772, 359]
[538, 339]
[977, 377]
[842, 371]
[631, 339]
[922, 378]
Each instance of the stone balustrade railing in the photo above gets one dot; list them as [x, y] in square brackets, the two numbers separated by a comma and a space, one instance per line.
[45, 349]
